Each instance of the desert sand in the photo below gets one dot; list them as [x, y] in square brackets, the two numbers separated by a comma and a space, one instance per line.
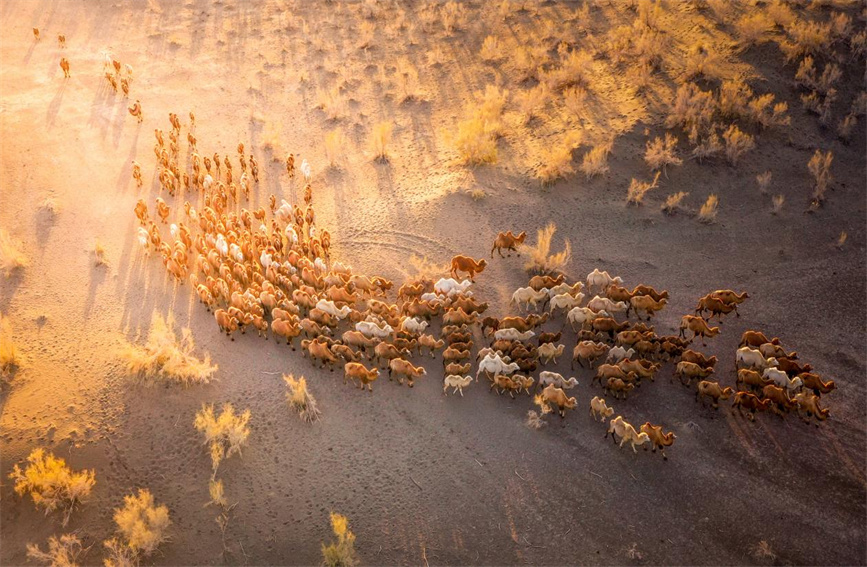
[423, 478]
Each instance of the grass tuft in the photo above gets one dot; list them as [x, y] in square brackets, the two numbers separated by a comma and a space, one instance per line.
[300, 398]
[539, 257]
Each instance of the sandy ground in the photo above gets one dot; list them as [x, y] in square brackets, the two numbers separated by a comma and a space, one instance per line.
[460, 480]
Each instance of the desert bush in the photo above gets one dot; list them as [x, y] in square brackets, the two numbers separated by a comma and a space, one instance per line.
[820, 168]
[340, 553]
[737, 143]
[12, 258]
[807, 38]
[61, 552]
[692, 110]
[808, 75]
[300, 398]
[841, 240]
[846, 125]
[50, 206]
[701, 61]
[820, 105]
[734, 98]
[764, 181]
[647, 46]
[525, 61]
[575, 68]
[595, 162]
[51, 484]
[452, 15]
[406, 76]
[99, 258]
[534, 420]
[708, 211]
[778, 201]
[556, 163]
[708, 146]
[332, 103]
[649, 12]
[224, 434]
[752, 28]
[475, 144]
[574, 99]
[640, 77]
[489, 107]
[165, 358]
[780, 13]
[858, 44]
[672, 202]
[141, 525]
[9, 357]
[660, 153]
[532, 101]
[765, 113]
[335, 141]
[492, 49]
[841, 26]
[380, 138]
[637, 189]
[539, 257]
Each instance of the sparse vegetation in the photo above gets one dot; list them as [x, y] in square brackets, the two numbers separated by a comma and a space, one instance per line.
[752, 28]
[99, 254]
[51, 483]
[9, 357]
[532, 101]
[660, 153]
[141, 527]
[50, 206]
[492, 49]
[534, 420]
[62, 552]
[165, 358]
[764, 181]
[300, 398]
[763, 550]
[708, 211]
[539, 257]
[841, 240]
[556, 161]
[332, 103]
[595, 162]
[737, 143]
[335, 141]
[12, 258]
[778, 201]
[574, 99]
[380, 139]
[637, 189]
[224, 434]
[340, 553]
[820, 168]
[672, 202]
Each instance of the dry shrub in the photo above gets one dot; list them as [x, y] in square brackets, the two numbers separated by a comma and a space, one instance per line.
[847, 125]
[737, 143]
[380, 139]
[475, 144]
[9, 357]
[492, 49]
[50, 206]
[118, 554]
[224, 434]
[808, 75]
[660, 153]
[539, 257]
[709, 145]
[841, 26]
[820, 105]
[490, 107]
[841, 240]
[778, 201]
[531, 102]
[99, 254]
[693, 110]
[640, 76]
[595, 162]
[407, 80]
[734, 98]
[763, 550]
[858, 44]
[764, 181]
[820, 168]
[575, 69]
[807, 38]
[574, 99]
[708, 211]
[340, 553]
[526, 61]
[335, 142]
[12, 258]
[637, 189]
[752, 28]
[780, 13]
[452, 15]
[164, 358]
[701, 62]
[672, 202]
[556, 164]
[332, 103]
[51, 484]
[62, 552]
[764, 112]
[534, 420]
[300, 398]
[436, 56]
[141, 525]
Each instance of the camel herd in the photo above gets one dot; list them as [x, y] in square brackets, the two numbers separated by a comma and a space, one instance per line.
[271, 270]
